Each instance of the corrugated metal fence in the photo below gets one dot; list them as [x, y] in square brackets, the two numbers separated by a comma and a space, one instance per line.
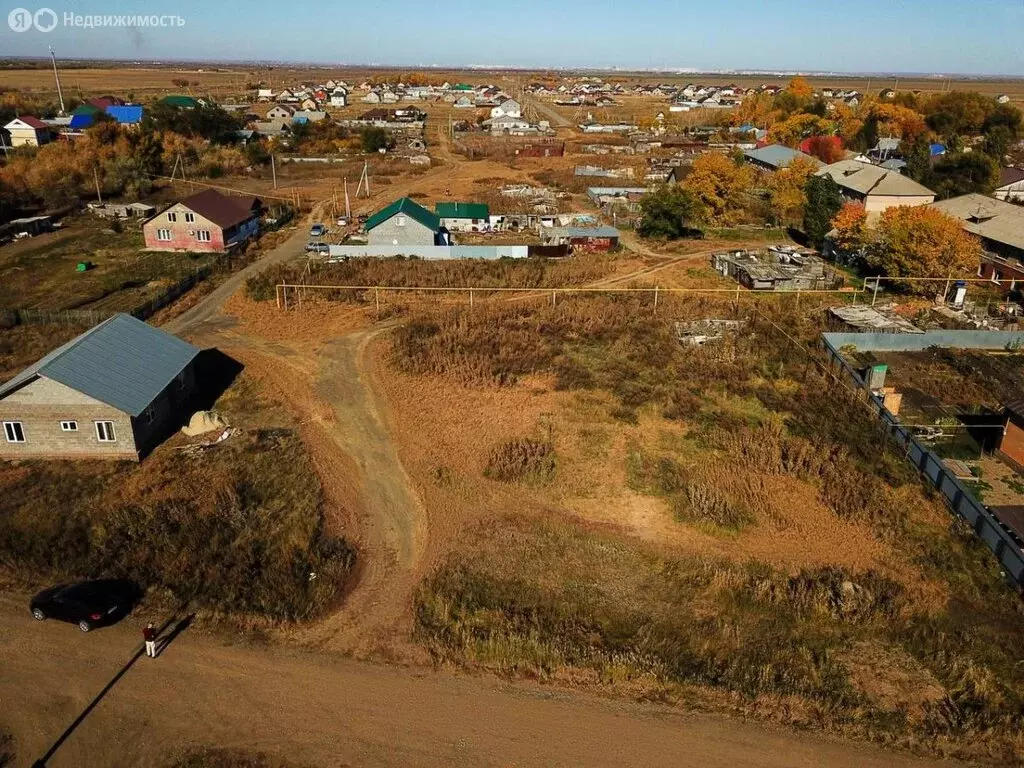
[996, 536]
[430, 252]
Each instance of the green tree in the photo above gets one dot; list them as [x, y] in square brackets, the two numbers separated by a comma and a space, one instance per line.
[204, 121]
[919, 160]
[824, 200]
[1004, 116]
[959, 112]
[670, 211]
[375, 139]
[961, 173]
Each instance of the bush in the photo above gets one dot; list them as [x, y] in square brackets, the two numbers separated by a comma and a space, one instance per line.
[522, 461]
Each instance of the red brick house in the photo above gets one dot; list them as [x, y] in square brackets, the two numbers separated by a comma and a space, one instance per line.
[208, 221]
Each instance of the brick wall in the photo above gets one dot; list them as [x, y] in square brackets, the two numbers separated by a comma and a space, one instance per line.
[181, 239]
[41, 406]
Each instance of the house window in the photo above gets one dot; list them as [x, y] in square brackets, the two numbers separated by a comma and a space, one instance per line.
[14, 432]
[105, 431]
[69, 426]
[203, 235]
[190, 217]
[163, 234]
[400, 221]
[172, 217]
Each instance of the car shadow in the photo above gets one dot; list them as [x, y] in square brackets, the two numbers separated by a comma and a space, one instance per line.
[174, 625]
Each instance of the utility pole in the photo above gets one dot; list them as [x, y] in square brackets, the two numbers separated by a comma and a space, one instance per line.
[96, 178]
[348, 207]
[56, 77]
[273, 170]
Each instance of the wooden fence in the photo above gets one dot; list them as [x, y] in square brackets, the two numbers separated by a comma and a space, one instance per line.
[90, 317]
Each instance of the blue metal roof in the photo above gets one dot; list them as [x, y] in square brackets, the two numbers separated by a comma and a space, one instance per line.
[122, 362]
[937, 149]
[130, 114]
[80, 121]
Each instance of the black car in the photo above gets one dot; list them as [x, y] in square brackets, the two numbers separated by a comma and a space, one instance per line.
[89, 604]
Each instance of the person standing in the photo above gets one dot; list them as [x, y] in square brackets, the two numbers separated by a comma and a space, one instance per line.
[149, 635]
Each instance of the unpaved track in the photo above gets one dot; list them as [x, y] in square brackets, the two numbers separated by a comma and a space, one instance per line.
[328, 711]
[393, 530]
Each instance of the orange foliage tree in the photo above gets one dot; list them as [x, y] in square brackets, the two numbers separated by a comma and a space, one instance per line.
[719, 183]
[923, 242]
[786, 196]
[901, 122]
[851, 225]
[800, 88]
[828, 149]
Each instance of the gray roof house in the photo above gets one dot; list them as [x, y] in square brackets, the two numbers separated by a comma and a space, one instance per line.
[112, 392]
[775, 156]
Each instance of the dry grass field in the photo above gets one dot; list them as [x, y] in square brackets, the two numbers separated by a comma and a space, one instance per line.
[230, 80]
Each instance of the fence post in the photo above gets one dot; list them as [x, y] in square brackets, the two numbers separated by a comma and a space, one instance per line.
[470, 298]
[376, 298]
[552, 298]
[655, 299]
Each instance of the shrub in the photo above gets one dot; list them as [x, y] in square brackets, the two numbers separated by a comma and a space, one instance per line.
[523, 460]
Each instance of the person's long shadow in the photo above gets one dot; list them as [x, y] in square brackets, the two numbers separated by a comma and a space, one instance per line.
[180, 627]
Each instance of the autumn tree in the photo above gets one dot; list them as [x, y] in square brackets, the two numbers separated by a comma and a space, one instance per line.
[786, 197]
[851, 225]
[824, 201]
[719, 184]
[670, 211]
[828, 149]
[922, 242]
[960, 113]
[795, 129]
[800, 88]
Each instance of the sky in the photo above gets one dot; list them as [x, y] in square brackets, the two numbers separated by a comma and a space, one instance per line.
[940, 36]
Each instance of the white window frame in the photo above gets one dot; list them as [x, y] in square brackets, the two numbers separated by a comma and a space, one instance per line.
[172, 216]
[400, 221]
[163, 235]
[105, 432]
[190, 217]
[69, 426]
[203, 235]
[14, 431]
[996, 277]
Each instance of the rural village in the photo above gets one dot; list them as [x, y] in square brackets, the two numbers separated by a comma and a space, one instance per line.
[688, 408]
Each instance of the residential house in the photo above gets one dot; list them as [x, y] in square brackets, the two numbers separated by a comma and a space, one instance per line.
[308, 116]
[1002, 98]
[1000, 225]
[112, 392]
[464, 102]
[371, 98]
[463, 217]
[1011, 185]
[264, 94]
[404, 222]
[280, 112]
[775, 156]
[339, 98]
[508, 108]
[183, 102]
[28, 131]
[208, 221]
[388, 97]
[309, 105]
[510, 126]
[877, 188]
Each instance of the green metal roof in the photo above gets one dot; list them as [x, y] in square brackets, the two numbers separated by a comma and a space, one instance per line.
[181, 101]
[462, 210]
[410, 208]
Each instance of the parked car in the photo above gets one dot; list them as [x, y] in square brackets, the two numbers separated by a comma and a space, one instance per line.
[342, 221]
[317, 248]
[89, 604]
[317, 230]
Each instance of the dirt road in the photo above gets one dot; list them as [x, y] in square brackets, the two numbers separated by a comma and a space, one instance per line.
[324, 710]
[556, 118]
